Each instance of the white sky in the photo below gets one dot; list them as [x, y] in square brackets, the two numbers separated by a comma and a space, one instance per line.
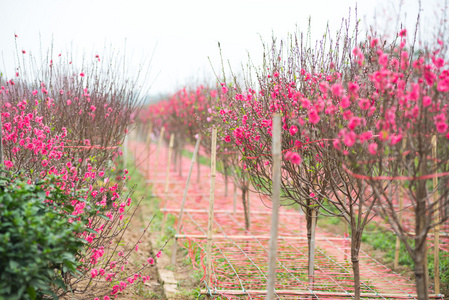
[186, 32]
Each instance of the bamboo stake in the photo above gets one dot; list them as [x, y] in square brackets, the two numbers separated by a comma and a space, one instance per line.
[175, 244]
[211, 209]
[276, 190]
[167, 180]
[159, 146]
[401, 207]
[436, 247]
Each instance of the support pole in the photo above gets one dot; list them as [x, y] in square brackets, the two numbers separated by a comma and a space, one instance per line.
[276, 190]
[436, 247]
[211, 210]
[167, 181]
[184, 197]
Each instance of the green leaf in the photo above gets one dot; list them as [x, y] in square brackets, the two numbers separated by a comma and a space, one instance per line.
[31, 292]
[104, 217]
[59, 282]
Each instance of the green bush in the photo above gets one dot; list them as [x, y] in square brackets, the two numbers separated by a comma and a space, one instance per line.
[37, 243]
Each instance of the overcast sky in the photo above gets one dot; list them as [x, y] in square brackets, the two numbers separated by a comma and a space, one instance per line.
[183, 33]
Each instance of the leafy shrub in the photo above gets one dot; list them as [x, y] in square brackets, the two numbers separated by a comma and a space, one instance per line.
[37, 243]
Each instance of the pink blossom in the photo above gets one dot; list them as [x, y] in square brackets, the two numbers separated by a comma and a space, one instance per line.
[336, 144]
[441, 127]
[94, 273]
[314, 118]
[344, 103]
[159, 254]
[349, 138]
[293, 130]
[372, 148]
[354, 122]
[8, 164]
[337, 90]
[364, 104]
[443, 85]
[224, 89]
[82, 74]
[426, 101]
[293, 157]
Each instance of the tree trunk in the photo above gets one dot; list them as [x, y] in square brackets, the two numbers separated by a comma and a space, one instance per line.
[245, 207]
[356, 239]
[311, 226]
[420, 255]
[226, 182]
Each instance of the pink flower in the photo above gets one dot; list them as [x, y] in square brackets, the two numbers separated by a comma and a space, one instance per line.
[344, 103]
[337, 90]
[354, 122]
[227, 138]
[403, 33]
[349, 138]
[224, 89]
[426, 101]
[441, 127]
[150, 260]
[443, 85]
[365, 136]
[336, 144]
[69, 102]
[293, 130]
[93, 108]
[293, 157]
[44, 163]
[23, 51]
[94, 273]
[106, 298]
[372, 148]
[313, 116]
[82, 74]
[364, 104]
[8, 164]
[159, 254]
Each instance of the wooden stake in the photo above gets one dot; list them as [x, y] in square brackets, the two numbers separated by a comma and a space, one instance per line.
[436, 247]
[276, 191]
[159, 146]
[175, 244]
[167, 180]
[211, 209]
[401, 208]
